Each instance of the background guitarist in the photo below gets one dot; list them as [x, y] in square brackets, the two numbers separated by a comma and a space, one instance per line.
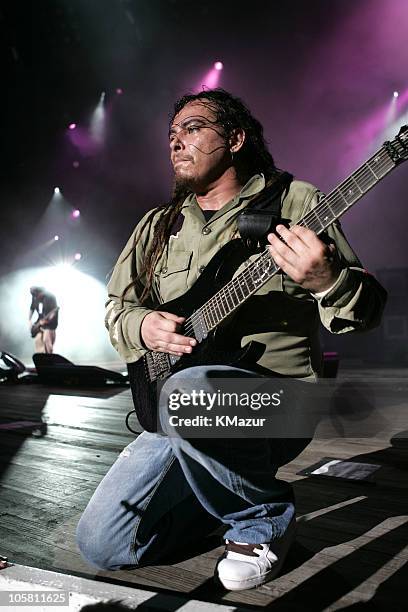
[163, 491]
[43, 303]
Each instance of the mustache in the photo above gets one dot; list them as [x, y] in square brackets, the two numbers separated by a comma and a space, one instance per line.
[183, 158]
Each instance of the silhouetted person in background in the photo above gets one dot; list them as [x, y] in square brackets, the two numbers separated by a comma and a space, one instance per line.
[44, 304]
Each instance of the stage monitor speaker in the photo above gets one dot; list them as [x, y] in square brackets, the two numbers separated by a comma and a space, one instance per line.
[57, 370]
[10, 367]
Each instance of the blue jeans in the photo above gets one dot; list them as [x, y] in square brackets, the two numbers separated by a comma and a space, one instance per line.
[164, 490]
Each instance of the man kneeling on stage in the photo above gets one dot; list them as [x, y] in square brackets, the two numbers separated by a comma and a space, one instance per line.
[163, 489]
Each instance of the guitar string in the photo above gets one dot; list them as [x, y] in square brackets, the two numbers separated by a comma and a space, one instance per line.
[331, 201]
[327, 205]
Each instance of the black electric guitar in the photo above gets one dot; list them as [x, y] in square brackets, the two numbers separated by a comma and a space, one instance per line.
[41, 321]
[216, 294]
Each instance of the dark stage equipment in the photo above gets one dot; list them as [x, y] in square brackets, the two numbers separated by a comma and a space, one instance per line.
[10, 367]
[395, 320]
[330, 364]
[56, 369]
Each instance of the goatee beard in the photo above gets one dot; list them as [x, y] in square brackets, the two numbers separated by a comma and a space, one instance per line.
[184, 184]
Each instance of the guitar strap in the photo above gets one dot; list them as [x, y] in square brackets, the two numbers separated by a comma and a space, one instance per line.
[263, 213]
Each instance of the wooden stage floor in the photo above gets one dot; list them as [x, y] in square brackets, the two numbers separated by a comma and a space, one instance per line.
[351, 548]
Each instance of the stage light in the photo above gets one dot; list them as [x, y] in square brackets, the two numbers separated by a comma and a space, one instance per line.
[72, 126]
[396, 94]
[56, 237]
[57, 190]
[119, 91]
[76, 213]
[77, 256]
[211, 79]
[97, 127]
[63, 268]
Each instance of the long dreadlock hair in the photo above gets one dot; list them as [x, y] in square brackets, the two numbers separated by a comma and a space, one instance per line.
[252, 158]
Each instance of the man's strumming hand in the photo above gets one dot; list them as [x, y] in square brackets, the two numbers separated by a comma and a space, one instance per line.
[159, 333]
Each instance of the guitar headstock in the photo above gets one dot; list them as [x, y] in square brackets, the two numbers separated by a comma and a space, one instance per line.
[397, 149]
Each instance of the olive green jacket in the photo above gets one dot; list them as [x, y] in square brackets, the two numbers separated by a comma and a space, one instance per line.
[282, 316]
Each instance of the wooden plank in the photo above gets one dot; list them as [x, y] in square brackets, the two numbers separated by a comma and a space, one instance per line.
[57, 451]
[93, 473]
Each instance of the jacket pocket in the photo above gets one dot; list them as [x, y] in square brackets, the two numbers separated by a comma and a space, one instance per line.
[172, 276]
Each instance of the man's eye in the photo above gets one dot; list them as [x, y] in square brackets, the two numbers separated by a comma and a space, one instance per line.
[192, 128]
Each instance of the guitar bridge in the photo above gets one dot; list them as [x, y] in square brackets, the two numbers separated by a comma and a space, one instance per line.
[157, 365]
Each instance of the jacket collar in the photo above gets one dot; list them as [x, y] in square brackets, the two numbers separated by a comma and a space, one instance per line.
[253, 186]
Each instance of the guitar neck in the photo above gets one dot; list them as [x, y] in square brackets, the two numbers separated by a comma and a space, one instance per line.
[328, 210]
[343, 197]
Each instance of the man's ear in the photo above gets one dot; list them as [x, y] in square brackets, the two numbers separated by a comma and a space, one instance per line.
[236, 140]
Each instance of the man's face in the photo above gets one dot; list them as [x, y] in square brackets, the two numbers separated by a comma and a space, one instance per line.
[198, 149]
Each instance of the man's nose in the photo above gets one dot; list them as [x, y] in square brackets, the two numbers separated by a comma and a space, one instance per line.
[177, 142]
[175, 145]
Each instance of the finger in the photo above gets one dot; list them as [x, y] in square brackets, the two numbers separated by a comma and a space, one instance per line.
[178, 339]
[170, 323]
[303, 232]
[168, 351]
[171, 316]
[165, 325]
[285, 265]
[309, 238]
[331, 251]
[291, 238]
[281, 250]
[174, 349]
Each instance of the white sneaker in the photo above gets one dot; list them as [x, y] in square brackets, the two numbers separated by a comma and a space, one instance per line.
[244, 566]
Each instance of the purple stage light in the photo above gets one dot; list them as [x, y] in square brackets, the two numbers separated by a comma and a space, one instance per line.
[75, 164]
[83, 141]
[77, 256]
[210, 80]
[403, 99]
[72, 126]
[218, 65]
[76, 213]
[382, 124]
[400, 99]
[119, 91]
